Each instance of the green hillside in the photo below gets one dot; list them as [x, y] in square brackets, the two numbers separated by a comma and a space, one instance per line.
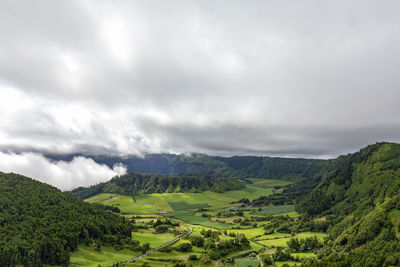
[135, 183]
[39, 224]
[361, 199]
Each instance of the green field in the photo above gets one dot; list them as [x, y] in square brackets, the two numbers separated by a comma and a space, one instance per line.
[168, 202]
[268, 182]
[279, 240]
[168, 259]
[188, 216]
[272, 210]
[153, 239]
[246, 262]
[249, 233]
[87, 256]
[185, 208]
[302, 255]
[290, 263]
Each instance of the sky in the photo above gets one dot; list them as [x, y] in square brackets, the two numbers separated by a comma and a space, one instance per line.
[311, 79]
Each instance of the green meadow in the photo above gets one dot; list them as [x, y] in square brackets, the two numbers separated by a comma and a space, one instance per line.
[272, 210]
[247, 262]
[87, 256]
[279, 240]
[268, 182]
[152, 238]
[169, 202]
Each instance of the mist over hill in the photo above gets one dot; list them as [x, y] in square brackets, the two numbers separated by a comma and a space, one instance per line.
[290, 169]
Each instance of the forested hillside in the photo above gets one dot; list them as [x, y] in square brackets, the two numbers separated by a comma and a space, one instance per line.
[135, 183]
[39, 224]
[289, 169]
[361, 199]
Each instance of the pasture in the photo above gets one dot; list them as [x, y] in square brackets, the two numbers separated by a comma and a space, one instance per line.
[246, 262]
[169, 202]
[152, 238]
[87, 256]
[272, 210]
[280, 239]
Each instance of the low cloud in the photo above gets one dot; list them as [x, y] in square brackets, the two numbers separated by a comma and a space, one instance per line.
[311, 79]
[80, 171]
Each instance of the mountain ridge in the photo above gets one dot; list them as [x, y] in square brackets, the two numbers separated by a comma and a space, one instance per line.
[290, 169]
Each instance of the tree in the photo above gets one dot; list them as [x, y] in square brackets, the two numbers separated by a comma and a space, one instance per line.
[184, 247]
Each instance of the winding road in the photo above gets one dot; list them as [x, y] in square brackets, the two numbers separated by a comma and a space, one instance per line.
[190, 230]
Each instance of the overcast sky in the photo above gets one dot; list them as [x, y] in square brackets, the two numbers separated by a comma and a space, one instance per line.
[287, 78]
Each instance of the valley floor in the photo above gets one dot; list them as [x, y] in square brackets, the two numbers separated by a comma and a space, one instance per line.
[206, 211]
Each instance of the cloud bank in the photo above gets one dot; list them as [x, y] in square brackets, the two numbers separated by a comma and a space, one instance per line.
[80, 171]
[314, 79]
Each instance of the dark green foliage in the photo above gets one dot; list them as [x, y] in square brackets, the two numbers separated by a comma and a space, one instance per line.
[162, 228]
[133, 183]
[166, 222]
[359, 197]
[214, 235]
[307, 244]
[289, 193]
[225, 247]
[267, 259]
[193, 257]
[197, 241]
[282, 255]
[39, 224]
[184, 247]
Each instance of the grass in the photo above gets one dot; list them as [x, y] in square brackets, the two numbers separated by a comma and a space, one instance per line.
[87, 256]
[153, 239]
[290, 263]
[303, 235]
[280, 239]
[255, 246]
[168, 202]
[249, 233]
[161, 258]
[245, 262]
[268, 182]
[188, 216]
[278, 242]
[302, 255]
[251, 192]
[184, 206]
[272, 210]
[100, 197]
[158, 259]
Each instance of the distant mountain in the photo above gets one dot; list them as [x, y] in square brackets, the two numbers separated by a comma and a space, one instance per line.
[39, 224]
[135, 183]
[361, 200]
[291, 169]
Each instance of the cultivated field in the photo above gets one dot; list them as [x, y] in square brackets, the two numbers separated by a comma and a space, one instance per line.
[221, 212]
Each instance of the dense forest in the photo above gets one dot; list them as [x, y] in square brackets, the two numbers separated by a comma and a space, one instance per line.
[39, 224]
[361, 200]
[289, 169]
[135, 183]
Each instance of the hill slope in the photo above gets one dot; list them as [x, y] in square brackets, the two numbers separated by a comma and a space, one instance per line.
[134, 183]
[361, 198]
[39, 224]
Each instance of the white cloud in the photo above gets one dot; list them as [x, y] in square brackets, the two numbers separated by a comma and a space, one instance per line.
[80, 171]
